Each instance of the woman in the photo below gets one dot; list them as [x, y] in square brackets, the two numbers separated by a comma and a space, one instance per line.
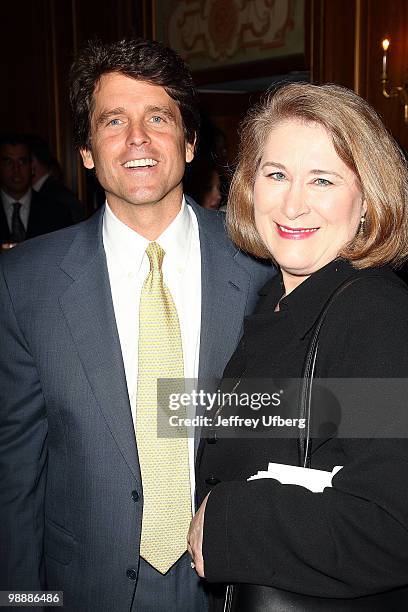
[322, 189]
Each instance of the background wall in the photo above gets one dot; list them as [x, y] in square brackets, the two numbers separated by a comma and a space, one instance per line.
[39, 39]
[346, 49]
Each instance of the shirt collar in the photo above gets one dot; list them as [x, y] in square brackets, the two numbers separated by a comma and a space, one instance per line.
[130, 247]
[25, 200]
[38, 184]
[176, 239]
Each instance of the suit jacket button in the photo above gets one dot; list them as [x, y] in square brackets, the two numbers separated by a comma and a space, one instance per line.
[212, 480]
[135, 496]
[131, 573]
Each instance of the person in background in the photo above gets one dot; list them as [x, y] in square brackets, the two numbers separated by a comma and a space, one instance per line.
[92, 501]
[47, 184]
[322, 189]
[23, 212]
[204, 180]
[203, 184]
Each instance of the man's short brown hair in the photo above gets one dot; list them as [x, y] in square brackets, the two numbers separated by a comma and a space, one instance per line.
[137, 58]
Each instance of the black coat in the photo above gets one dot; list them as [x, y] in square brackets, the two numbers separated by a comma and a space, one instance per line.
[56, 194]
[352, 539]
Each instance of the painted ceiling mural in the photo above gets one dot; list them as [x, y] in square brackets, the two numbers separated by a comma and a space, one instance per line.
[210, 33]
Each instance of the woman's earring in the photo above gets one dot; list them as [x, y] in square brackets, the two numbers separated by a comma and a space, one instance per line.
[361, 226]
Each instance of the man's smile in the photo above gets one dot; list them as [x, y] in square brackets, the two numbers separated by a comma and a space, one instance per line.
[140, 163]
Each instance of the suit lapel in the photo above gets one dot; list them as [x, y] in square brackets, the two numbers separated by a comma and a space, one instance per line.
[34, 227]
[4, 228]
[88, 309]
[224, 293]
[225, 285]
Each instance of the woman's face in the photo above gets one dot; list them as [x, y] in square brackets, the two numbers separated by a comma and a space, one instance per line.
[307, 202]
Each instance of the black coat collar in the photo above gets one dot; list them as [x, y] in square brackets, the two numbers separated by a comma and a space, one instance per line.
[305, 303]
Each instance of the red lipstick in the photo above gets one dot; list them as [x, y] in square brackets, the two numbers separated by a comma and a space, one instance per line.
[295, 233]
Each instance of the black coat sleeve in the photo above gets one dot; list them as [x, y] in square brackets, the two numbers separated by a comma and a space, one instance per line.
[352, 539]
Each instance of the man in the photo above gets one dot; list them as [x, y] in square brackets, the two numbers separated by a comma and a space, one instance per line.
[81, 346]
[23, 213]
[49, 186]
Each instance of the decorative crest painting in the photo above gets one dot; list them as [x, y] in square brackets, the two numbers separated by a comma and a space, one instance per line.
[214, 33]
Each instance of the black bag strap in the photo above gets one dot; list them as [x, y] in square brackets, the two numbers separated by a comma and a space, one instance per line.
[308, 373]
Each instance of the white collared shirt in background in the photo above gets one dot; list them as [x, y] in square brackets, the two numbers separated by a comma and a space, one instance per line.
[128, 267]
[25, 202]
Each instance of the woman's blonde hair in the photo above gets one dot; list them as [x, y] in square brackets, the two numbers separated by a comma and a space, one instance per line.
[360, 140]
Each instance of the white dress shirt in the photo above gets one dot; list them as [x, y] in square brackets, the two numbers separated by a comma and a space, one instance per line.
[25, 202]
[128, 267]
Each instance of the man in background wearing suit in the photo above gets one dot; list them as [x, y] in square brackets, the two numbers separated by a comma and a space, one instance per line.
[91, 502]
[23, 213]
[50, 187]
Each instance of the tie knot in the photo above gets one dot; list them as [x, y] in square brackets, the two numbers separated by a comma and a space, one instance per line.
[16, 206]
[155, 254]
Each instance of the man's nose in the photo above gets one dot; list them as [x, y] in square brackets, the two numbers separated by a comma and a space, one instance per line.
[294, 203]
[137, 134]
[16, 168]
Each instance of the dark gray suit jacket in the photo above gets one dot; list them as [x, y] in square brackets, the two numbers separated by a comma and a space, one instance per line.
[71, 495]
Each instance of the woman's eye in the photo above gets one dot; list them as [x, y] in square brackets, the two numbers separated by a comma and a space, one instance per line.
[114, 122]
[277, 176]
[322, 182]
[156, 119]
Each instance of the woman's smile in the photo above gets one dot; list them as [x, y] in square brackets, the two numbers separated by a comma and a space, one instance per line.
[295, 233]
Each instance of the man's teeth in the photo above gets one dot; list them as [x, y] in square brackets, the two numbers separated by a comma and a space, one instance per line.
[140, 163]
[297, 231]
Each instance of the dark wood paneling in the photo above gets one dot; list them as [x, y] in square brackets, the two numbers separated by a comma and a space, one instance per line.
[388, 19]
[38, 42]
[26, 101]
[333, 41]
[346, 50]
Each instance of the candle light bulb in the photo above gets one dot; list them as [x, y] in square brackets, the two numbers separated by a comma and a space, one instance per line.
[385, 44]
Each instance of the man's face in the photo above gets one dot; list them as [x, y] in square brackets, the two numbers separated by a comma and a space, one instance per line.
[15, 170]
[138, 147]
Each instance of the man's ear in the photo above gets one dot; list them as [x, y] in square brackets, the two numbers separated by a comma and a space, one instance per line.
[87, 158]
[190, 150]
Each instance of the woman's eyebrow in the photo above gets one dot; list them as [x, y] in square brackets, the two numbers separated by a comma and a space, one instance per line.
[274, 164]
[318, 171]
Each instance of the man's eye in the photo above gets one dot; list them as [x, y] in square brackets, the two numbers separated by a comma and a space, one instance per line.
[322, 182]
[156, 119]
[114, 122]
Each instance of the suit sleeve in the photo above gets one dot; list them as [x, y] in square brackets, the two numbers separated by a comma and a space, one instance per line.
[350, 540]
[23, 451]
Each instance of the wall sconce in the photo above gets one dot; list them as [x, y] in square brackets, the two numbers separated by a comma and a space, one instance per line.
[401, 91]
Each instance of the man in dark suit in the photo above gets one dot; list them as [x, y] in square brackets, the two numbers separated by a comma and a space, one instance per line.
[75, 473]
[50, 187]
[23, 213]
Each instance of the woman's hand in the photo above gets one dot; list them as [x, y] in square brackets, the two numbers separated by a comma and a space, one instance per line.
[195, 539]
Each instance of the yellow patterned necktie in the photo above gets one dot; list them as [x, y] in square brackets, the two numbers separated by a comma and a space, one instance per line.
[163, 461]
